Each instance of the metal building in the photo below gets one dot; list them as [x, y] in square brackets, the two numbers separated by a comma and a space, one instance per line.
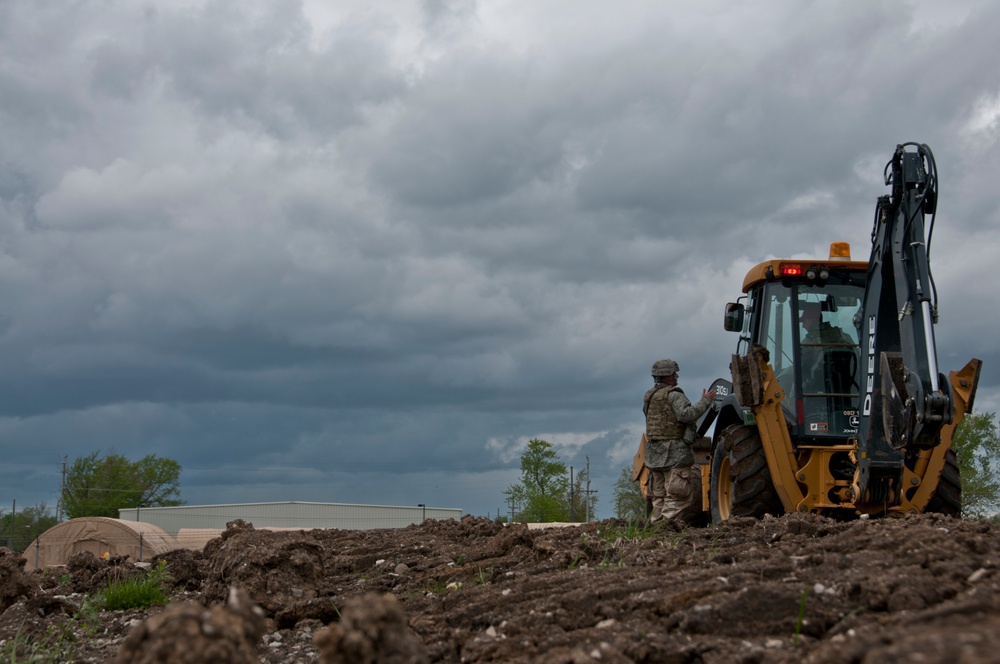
[292, 514]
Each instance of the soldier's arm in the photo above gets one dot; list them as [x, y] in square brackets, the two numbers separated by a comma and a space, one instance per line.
[686, 411]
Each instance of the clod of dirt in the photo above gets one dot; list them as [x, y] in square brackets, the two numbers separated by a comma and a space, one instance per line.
[14, 581]
[236, 526]
[188, 633]
[322, 609]
[277, 569]
[183, 567]
[89, 573]
[82, 567]
[373, 629]
[34, 618]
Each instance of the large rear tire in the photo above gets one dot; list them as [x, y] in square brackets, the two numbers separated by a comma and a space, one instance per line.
[947, 498]
[741, 483]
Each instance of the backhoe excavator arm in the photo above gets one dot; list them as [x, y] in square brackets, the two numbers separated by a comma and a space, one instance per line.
[905, 401]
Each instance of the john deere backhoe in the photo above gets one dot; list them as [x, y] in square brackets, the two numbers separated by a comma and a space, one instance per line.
[836, 405]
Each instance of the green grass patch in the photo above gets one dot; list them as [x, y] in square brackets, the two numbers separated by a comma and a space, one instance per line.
[483, 576]
[434, 585]
[630, 531]
[137, 593]
[713, 548]
[802, 616]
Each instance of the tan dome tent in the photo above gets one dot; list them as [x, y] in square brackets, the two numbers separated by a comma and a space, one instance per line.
[98, 535]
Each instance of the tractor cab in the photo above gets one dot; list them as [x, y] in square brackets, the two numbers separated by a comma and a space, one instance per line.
[805, 313]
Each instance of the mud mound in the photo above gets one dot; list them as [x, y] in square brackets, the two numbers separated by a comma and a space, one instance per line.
[276, 569]
[34, 617]
[188, 633]
[373, 629]
[14, 582]
[89, 573]
[185, 569]
[799, 588]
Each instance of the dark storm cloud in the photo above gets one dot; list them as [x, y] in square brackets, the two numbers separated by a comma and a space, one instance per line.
[257, 67]
[363, 253]
[474, 133]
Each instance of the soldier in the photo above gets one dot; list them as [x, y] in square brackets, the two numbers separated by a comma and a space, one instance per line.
[670, 432]
[818, 331]
[818, 340]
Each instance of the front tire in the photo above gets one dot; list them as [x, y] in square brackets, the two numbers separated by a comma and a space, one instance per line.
[741, 483]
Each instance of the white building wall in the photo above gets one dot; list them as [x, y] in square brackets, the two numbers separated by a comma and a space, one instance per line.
[287, 515]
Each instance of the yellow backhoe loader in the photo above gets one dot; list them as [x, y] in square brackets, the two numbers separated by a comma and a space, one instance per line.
[836, 405]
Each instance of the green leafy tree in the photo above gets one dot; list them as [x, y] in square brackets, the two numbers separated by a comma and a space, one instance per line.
[977, 446]
[19, 530]
[100, 486]
[541, 495]
[628, 499]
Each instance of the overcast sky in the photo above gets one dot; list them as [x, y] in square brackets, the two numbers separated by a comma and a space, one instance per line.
[362, 252]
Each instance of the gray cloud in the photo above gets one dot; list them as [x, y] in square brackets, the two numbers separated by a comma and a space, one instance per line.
[365, 253]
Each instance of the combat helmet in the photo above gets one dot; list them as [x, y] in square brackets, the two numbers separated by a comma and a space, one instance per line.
[664, 368]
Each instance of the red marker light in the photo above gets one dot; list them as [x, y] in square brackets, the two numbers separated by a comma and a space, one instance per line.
[791, 270]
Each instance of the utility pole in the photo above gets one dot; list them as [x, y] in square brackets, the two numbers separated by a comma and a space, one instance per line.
[586, 500]
[62, 492]
[572, 506]
[588, 491]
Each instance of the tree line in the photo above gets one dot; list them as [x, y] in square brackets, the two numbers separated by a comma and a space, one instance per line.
[100, 486]
[97, 485]
[543, 493]
[546, 493]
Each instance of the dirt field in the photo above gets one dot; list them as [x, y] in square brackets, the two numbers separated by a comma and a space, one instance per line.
[800, 588]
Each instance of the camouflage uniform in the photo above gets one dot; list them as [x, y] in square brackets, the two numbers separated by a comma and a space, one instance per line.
[814, 345]
[818, 332]
[670, 432]
[817, 343]
[825, 333]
